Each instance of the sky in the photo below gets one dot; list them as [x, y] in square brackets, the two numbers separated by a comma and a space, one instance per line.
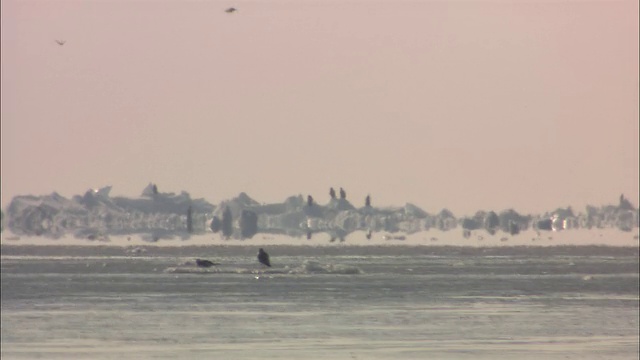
[465, 105]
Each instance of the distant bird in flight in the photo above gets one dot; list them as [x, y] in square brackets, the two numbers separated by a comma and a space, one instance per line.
[61, 42]
[231, 10]
[263, 257]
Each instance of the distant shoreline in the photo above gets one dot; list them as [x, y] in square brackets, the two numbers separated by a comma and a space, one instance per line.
[159, 217]
[424, 241]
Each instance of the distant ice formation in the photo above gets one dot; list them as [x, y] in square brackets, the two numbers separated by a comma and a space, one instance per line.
[307, 267]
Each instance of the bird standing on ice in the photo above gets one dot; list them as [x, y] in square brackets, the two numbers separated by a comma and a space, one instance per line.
[204, 263]
[263, 257]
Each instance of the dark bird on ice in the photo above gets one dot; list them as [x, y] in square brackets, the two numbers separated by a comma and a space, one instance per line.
[204, 263]
[231, 10]
[263, 257]
[61, 42]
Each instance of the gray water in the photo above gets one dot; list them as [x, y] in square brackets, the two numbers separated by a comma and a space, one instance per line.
[77, 302]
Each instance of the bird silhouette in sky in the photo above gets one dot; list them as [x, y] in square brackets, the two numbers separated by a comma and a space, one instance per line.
[231, 10]
[61, 42]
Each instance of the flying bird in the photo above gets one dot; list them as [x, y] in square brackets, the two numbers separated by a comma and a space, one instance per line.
[263, 257]
[61, 42]
[231, 10]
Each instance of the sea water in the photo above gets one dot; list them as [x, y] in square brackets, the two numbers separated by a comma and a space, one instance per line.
[337, 301]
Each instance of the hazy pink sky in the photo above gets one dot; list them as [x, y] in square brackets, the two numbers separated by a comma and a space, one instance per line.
[461, 104]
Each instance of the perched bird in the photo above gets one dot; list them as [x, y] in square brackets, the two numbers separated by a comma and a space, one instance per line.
[231, 10]
[61, 42]
[263, 257]
[343, 194]
[204, 263]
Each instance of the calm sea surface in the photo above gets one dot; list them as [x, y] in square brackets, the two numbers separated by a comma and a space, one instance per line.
[365, 302]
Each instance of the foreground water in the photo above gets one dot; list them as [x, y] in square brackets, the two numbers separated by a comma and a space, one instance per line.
[347, 302]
